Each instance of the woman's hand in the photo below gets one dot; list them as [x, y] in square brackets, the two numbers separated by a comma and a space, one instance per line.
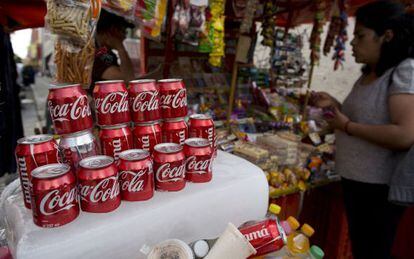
[323, 100]
[337, 120]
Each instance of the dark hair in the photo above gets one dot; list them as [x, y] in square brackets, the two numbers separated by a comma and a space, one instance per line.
[380, 16]
[108, 20]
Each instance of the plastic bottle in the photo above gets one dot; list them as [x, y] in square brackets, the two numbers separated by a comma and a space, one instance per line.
[315, 252]
[298, 242]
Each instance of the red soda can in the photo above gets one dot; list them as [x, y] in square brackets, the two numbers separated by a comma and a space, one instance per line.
[173, 98]
[115, 139]
[98, 184]
[77, 146]
[202, 126]
[136, 177]
[169, 167]
[32, 152]
[54, 195]
[111, 102]
[147, 135]
[144, 100]
[174, 131]
[69, 108]
[265, 236]
[199, 157]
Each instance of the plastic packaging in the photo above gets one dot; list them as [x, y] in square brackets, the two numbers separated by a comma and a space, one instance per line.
[74, 20]
[124, 8]
[74, 64]
[151, 15]
[315, 252]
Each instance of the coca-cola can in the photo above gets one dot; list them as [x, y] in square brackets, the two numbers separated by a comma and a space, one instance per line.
[54, 195]
[111, 102]
[115, 139]
[265, 236]
[144, 100]
[173, 98]
[174, 131]
[69, 108]
[32, 152]
[169, 167]
[77, 146]
[202, 126]
[136, 176]
[147, 135]
[199, 157]
[98, 184]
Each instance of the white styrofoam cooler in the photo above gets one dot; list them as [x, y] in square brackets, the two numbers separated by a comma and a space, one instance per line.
[237, 193]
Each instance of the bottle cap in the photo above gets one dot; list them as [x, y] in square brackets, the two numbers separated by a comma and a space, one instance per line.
[274, 208]
[307, 230]
[316, 252]
[293, 222]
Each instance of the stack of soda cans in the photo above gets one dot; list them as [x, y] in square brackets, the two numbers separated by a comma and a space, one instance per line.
[82, 173]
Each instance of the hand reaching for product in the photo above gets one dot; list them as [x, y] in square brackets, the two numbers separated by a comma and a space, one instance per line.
[335, 118]
[323, 100]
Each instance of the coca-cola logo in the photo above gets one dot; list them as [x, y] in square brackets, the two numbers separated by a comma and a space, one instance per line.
[24, 178]
[177, 100]
[78, 109]
[257, 234]
[142, 103]
[107, 189]
[167, 173]
[137, 182]
[198, 166]
[55, 201]
[110, 104]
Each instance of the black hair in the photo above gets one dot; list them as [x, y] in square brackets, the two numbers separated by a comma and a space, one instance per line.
[384, 15]
[108, 20]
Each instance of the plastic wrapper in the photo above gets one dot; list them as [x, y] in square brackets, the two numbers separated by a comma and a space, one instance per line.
[74, 20]
[151, 15]
[74, 63]
[124, 8]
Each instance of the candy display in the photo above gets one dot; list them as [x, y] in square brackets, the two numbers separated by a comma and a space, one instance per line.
[269, 23]
[315, 39]
[334, 29]
[217, 28]
[123, 8]
[339, 55]
[151, 15]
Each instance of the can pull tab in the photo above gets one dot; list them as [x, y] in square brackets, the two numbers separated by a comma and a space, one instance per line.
[95, 8]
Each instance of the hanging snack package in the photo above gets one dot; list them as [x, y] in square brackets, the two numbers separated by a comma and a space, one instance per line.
[151, 15]
[74, 63]
[124, 8]
[74, 23]
[74, 20]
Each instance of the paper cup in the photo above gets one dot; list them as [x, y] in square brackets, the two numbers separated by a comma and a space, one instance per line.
[171, 248]
[231, 244]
